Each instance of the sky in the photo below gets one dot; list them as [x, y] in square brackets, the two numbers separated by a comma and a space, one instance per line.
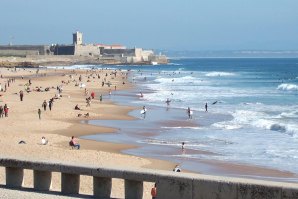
[197, 25]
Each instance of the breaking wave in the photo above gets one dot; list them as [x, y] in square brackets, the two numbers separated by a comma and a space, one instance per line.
[219, 74]
[288, 87]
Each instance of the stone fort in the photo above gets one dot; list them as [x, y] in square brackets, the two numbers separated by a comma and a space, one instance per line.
[117, 52]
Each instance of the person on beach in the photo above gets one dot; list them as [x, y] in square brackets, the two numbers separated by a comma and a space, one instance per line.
[77, 107]
[73, 142]
[39, 113]
[88, 101]
[141, 94]
[1, 111]
[51, 104]
[189, 113]
[92, 95]
[21, 95]
[6, 110]
[44, 105]
[183, 146]
[44, 141]
[100, 98]
[154, 192]
[206, 107]
[177, 168]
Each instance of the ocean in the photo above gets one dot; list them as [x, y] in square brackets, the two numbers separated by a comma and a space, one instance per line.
[252, 116]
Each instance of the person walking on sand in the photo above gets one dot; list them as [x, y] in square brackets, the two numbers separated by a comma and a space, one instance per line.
[51, 104]
[154, 192]
[44, 105]
[21, 95]
[39, 113]
[6, 110]
[206, 107]
[100, 98]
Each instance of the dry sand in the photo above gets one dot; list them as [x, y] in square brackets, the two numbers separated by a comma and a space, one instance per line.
[62, 122]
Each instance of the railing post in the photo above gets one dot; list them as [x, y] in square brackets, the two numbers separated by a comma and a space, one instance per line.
[70, 183]
[42, 180]
[14, 176]
[133, 189]
[102, 187]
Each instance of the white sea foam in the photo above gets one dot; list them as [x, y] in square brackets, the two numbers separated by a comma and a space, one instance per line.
[181, 127]
[225, 125]
[219, 74]
[88, 67]
[174, 64]
[288, 87]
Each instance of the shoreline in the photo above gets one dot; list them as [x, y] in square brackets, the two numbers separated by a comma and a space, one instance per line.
[210, 166]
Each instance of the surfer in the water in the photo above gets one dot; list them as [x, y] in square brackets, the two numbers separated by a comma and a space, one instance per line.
[206, 107]
[189, 112]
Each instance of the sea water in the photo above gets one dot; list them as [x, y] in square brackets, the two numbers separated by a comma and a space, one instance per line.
[252, 113]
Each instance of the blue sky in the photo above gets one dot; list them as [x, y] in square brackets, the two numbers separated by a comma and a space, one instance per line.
[157, 24]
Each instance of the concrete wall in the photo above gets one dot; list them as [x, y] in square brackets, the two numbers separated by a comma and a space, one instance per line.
[23, 50]
[170, 185]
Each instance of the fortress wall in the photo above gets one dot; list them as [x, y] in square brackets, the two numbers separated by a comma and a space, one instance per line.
[124, 52]
[18, 53]
[64, 50]
[87, 50]
[23, 50]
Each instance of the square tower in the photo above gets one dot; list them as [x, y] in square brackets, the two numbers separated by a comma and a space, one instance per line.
[77, 38]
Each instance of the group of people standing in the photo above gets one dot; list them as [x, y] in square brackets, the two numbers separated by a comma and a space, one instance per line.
[4, 111]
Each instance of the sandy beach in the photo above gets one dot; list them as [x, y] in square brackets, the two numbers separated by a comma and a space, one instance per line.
[62, 122]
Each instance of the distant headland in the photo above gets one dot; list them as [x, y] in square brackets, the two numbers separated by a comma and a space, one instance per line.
[76, 53]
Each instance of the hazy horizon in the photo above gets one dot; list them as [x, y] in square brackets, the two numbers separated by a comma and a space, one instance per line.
[190, 25]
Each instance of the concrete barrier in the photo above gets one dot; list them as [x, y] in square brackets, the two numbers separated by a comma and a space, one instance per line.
[170, 185]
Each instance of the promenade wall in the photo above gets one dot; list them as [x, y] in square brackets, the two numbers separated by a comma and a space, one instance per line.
[170, 185]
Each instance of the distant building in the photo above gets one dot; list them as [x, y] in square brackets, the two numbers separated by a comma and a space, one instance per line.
[77, 38]
[114, 52]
